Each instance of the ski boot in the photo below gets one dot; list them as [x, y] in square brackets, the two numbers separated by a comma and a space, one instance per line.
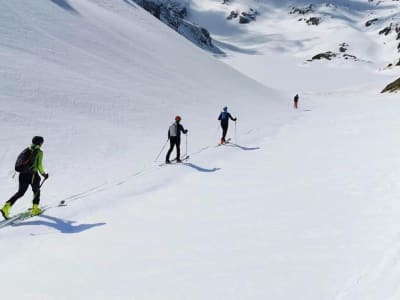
[5, 211]
[36, 210]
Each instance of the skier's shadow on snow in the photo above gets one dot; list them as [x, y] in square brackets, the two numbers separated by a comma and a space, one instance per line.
[242, 147]
[201, 169]
[64, 226]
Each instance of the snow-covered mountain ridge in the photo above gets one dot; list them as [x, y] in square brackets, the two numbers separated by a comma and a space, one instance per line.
[357, 34]
[382, 17]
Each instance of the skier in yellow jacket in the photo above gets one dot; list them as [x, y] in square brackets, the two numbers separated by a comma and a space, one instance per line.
[29, 164]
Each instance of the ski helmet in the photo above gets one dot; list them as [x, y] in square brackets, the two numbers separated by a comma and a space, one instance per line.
[225, 108]
[178, 118]
[37, 140]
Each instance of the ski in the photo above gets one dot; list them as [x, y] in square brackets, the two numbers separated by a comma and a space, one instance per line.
[10, 220]
[20, 217]
[174, 162]
[182, 159]
[226, 142]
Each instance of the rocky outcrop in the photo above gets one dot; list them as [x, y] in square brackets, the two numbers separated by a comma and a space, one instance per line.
[245, 17]
[301, 10]
[343, 47]
[173, 13]
[329, 55]
[371, 22]
[233, 15]
[393, 27]
[325, 55]
[392, 87]
[313, 21]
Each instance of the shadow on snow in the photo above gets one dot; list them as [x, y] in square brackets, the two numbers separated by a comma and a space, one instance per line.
[241, 147]
[64, 226]
[201, 169]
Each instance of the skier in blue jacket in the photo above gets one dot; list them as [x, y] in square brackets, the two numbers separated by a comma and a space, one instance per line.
[224, 117]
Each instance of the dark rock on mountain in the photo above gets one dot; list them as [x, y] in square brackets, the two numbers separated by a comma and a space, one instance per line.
[343, 47]
[325, 55]
[313, 21]
[301, 11]
[392, 87]
[247, 17]
[352, 57]
[173, 14]
[391, 28]
[370, 22]
[233, 15]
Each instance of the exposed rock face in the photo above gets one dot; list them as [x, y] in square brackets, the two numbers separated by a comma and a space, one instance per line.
[301, 11]
[343, 47]
[245, 17]
[349, 56]
[392, 87]
[329, 55]
[325, 55]
[233, 15]
[371, 22]
[173, 14]
[313, 21]
[391, 28]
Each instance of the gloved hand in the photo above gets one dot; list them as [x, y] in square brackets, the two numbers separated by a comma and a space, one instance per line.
[46, 175]
[235, 119]
[186, 131]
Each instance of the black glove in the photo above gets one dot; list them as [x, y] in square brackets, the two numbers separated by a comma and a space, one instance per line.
[186, 131]
[235, 119]
[46, 175]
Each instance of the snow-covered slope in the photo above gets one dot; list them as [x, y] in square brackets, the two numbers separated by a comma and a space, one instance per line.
[102, 80]
[302, 205]
[280, 33]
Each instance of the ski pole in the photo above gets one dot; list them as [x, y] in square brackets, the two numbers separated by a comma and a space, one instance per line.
[186, 144]
[236, 133]
[162, 149]
[43, 181]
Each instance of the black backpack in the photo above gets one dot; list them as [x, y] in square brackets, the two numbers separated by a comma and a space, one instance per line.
[25, 161]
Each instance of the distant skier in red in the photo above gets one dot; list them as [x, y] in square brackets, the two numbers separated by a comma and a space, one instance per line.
[296, 101]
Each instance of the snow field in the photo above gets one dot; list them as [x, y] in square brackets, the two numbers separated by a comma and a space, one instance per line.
[304, 206]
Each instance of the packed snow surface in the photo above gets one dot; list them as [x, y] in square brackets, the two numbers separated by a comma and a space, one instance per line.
[302, 204]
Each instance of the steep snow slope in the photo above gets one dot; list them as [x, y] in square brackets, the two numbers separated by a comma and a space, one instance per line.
[102, 80]
[308, 210]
